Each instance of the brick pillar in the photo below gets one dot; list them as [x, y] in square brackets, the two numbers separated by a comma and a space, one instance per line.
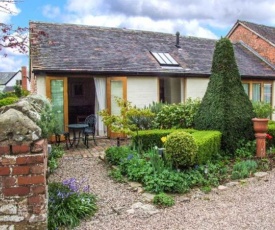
[24, 78]
[23, 196]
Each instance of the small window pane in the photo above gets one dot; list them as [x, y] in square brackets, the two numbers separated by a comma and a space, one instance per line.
[267, 93]
[246, 88]
[256, 92]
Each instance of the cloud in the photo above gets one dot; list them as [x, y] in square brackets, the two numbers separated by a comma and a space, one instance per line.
[12, 63]
[50, 11]
[190, 17]
[7, 10]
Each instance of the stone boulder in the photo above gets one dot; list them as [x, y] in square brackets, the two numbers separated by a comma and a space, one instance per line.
[15, 126]
[30, 106]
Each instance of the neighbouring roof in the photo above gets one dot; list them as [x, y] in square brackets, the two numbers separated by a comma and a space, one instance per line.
[101, 50]
[5, 77]
[266, 32]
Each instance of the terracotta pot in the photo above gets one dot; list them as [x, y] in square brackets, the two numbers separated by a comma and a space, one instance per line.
[260, 125]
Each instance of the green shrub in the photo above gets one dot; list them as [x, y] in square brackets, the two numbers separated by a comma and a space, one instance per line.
[8, 101]
[69, 202]
[116, 175]
[136, 168]
[163, 200]
[180, 149]
[151, 138]
[246, 149]
[244, 169]
[57, 152]
[209, 145]
[177, 115]
[165, 181]
[262, 109]
[225, 106]
[115, 154]
[271, 131]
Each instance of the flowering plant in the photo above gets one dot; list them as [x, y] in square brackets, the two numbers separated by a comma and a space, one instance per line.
[69, 202]
[163, 139]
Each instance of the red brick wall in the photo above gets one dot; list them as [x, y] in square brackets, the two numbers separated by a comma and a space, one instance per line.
[23, 190]
[257, 43]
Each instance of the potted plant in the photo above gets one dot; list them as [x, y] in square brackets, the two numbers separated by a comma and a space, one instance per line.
[263, 111]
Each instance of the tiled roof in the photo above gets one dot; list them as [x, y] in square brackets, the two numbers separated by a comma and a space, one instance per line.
[77, 48]
[5, 77]
[267, 32]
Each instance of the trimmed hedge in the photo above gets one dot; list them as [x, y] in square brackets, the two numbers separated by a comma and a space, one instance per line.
[152, 138]
[209, 144]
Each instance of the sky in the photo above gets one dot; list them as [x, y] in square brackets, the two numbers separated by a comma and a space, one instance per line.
[199, 18]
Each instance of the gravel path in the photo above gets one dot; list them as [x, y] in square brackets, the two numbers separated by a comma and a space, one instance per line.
[250, 205]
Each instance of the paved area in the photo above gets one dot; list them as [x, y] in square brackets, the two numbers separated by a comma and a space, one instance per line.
[94, 150]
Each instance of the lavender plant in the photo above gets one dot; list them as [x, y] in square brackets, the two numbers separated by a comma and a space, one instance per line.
[69, 202]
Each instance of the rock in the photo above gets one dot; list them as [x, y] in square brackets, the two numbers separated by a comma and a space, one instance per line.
[184, 199]
[232, 183]
[136, 205]
[135, 184]
[222, 187]
[130, 211]
[260, 174]
[148, 197]
[15, 126]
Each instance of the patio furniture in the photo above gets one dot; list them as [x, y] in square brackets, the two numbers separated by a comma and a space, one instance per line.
[58, 138]
[90, 130]
[76, 137]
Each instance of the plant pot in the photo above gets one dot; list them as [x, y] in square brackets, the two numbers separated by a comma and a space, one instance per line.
[260, 125]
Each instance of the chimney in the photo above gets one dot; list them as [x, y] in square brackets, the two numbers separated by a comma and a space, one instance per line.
[178, 39]
[24, 78]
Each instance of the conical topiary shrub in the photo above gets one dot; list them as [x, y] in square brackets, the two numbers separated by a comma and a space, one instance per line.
[225, 105]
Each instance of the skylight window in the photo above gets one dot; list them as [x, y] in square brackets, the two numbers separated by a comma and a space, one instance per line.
[165, 59]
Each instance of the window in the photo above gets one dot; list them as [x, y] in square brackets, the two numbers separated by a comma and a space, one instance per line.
[258, 91]
[165, 59]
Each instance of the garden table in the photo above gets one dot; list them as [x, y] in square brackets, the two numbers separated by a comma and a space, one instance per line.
[77, 130]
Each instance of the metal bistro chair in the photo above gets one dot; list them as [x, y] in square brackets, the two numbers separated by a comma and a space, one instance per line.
[91, 121]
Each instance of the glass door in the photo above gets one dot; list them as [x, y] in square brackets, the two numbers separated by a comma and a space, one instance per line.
[56, 91]
[116, 87]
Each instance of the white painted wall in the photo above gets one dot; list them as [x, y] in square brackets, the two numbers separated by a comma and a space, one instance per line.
[195, 87]
[41, 85]
[142, 91]
[12, 82]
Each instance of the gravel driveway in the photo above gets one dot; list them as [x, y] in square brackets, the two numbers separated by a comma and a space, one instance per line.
[248, 205]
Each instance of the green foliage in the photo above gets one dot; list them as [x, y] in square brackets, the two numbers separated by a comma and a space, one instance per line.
[181, 149]
[271, 131]
[206, 175]
[115, 154]
[68, 204]
[262, 109]
[56, 153]
[225, 106]
[19, 92]
[244, 169]
[163, 200]
[8, 101]
[152, 138]
[165, 181]
[209, 145]
[206, 189]
[48, 122]
[246, 149]
[136, 168]
[128, 121]
[116, 175]
[177, 115]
